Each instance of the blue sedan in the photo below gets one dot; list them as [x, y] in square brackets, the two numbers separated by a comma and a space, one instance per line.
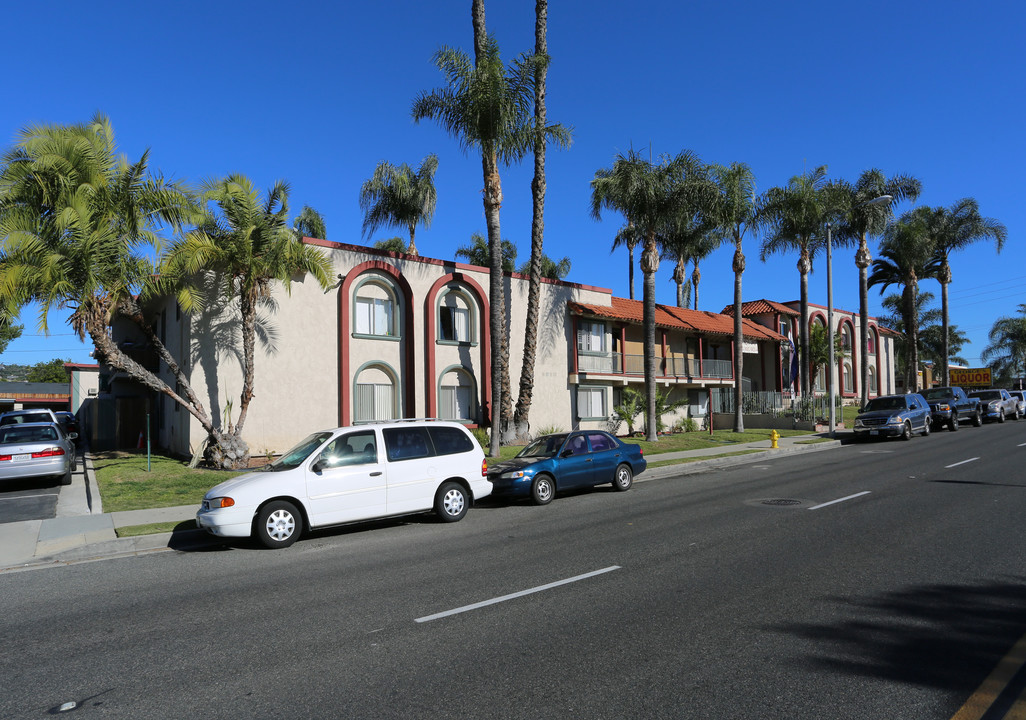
[567, 460]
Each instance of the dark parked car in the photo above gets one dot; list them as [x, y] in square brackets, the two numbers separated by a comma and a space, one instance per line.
[69, 422]
[893, 416]
[950, 406]
[567, 460]
[31, 450]
[997, 404]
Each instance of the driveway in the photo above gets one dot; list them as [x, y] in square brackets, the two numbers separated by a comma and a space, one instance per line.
[34, 499]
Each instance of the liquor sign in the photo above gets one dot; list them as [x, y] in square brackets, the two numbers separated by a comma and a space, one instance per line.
[973, 377]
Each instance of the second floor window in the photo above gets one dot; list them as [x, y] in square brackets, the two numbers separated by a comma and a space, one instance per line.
[374, 316]
[591, 337]
[454, 324]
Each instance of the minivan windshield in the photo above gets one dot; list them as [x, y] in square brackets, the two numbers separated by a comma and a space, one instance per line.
[296, 456]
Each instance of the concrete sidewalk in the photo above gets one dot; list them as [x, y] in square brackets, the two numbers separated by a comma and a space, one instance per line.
[82, 531]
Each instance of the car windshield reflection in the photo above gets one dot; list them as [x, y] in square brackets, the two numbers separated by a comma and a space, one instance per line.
[886, 403]
[298, 454]
[543, 447]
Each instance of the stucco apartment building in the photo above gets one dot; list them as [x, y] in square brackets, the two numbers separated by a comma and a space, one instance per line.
[404, 336]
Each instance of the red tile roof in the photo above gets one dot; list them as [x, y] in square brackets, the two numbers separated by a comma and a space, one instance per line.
[669, 316]
[761, 307]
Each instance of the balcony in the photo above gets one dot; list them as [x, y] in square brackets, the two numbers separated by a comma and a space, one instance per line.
[634, 365]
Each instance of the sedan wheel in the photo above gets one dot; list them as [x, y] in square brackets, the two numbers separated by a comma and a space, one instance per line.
[906, 431]
[624, 478]
[542, 490]
[278, 524]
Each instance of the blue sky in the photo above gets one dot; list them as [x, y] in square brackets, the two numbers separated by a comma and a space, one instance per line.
[319, 93]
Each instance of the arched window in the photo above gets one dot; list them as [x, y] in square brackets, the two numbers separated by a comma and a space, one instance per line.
[872, 380]
[846, 336]
[456, 396]
[375, 309]
[375, 395]
[872, 341]
[848, 384]
[456, 316]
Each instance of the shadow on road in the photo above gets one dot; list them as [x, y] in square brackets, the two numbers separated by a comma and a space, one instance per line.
[941, 636]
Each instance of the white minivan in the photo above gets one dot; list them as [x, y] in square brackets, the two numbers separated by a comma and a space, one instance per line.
[349, 474]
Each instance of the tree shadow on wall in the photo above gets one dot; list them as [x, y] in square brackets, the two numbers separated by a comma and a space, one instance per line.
[217, 342]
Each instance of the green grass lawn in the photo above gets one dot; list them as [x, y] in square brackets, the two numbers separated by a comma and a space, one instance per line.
[126, 484]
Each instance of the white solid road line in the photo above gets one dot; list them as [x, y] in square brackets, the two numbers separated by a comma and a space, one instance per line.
[832, 502]
[504, 598]
[961, 463]
[29, 497]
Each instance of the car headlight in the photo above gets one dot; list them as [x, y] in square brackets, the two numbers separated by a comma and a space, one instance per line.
[858, 422]
[219, 502]
[896, 420]
[993, 405]
[512, 475]
[943, 407]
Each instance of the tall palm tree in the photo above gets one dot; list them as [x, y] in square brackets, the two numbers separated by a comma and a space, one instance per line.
[1006, 353]
[400, 196]
[706, 242]
[310, 223]
[628, 237]
[246, 242]
[686, 239]
[649, 196]
[954, 228]
[928, 324]
[736, 214]
[541, 266]
[907, 256]
[796, 216]
[487, 107]
[76, 222]
[865, 214]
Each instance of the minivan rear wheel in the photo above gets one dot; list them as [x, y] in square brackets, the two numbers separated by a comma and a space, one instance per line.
[451, 502]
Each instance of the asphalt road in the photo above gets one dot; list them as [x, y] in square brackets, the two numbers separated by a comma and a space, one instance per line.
[738, 593]
[28, 499]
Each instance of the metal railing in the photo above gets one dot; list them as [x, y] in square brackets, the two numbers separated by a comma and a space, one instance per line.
[801, 407]
[665, 367]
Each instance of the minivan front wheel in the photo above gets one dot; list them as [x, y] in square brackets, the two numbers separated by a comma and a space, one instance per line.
[278, 524]
[451, 502]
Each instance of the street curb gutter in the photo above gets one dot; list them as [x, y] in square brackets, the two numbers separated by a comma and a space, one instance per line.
[696, 466]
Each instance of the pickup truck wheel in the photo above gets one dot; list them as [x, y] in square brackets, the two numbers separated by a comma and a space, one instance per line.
[978, 419]
[1001, 415]
[1018, 414]
[953, 423]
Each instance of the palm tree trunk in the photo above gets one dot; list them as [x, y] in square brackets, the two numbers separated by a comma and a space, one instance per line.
[944, 276]
[678, 278]
[412, 249]
[630, 269]
[862, 260]
[248, 310]
[739, 358]
[695, 277]
[803, 331]
[649, 266]
[521, 418]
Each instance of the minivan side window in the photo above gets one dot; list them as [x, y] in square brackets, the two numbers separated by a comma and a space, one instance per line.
[356, 448]
[450, 440]
[406, 443]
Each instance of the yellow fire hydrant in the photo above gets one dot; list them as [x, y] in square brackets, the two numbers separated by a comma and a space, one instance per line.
[774, 436]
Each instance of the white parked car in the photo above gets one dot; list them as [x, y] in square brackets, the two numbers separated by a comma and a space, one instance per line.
[349, 474]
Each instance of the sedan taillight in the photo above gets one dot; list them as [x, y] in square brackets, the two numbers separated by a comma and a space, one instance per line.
[49, 452]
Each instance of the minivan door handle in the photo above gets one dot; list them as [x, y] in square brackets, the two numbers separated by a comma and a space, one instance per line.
[375, 474]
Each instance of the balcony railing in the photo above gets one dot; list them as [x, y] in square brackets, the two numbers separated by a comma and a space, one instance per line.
[617, 363]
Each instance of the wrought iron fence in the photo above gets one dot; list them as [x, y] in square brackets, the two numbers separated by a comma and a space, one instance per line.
[806, 408]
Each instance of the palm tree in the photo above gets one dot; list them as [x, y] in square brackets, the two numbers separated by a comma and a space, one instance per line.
[540, 265]
[550, 269]
[247, 244]
[487, 107]
[1006, 353]
[310, 223]
[685, 239]
[928, 324]
[796, 216]
[868, 208]
[819, 352]
[478, 253]
[400, 196]
[649, 197]
[76, 219]
[628, 237]
[906, 257]
[955, 228]
[736, 214]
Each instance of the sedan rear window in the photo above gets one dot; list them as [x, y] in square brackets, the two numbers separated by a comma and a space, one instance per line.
[28, 435]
